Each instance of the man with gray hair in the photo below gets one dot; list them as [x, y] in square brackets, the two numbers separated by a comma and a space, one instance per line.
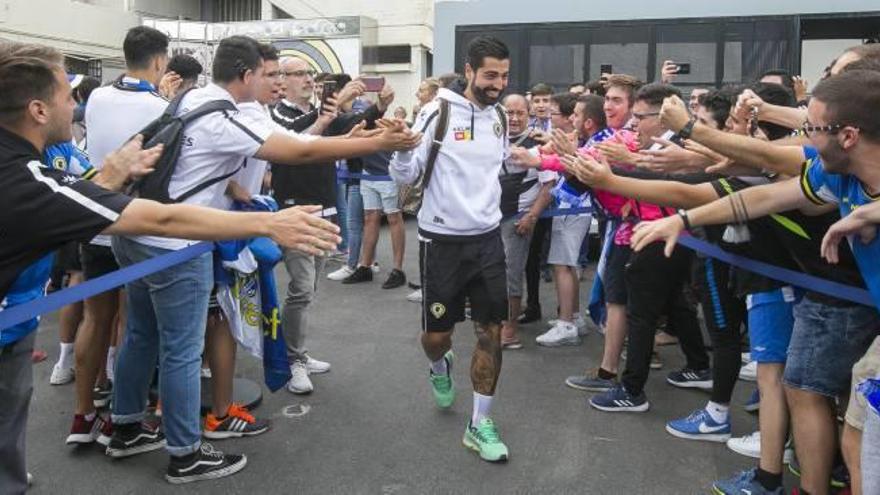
[525, 193]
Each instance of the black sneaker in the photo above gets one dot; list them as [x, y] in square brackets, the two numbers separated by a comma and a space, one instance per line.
[204, 464]
[132, 439]
[688, 378]
[101, 395]
[395, 279]
[361, 274]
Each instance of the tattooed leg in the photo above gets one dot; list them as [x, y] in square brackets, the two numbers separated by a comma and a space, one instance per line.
[436, 344]
[486, 363]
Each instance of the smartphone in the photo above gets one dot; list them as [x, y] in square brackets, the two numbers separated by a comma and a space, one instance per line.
[373, 84]
[606, 69]
[683, 68]
[328, 90]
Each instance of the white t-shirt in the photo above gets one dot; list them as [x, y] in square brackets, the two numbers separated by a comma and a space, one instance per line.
[113, 116]
[213, 145]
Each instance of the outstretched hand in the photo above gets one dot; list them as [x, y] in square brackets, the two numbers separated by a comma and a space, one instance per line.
[128, 162]
[397, 136]
[848, 225]
[588, 170]
[300, 228]
[664, 230]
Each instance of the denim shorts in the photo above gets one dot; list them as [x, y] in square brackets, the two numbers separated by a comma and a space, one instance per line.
[380, 195]
[771, 322]
[826, 343]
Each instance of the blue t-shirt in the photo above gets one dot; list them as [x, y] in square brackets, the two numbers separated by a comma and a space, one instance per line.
[822, 187]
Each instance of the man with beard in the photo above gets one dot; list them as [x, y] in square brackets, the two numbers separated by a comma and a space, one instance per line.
[461, 253]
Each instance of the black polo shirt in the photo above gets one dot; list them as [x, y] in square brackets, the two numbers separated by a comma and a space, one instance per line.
[41, 208]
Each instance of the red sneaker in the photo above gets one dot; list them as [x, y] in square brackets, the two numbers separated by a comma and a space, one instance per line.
[84, 431]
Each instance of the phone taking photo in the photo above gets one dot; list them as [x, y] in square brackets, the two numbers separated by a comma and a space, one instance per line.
[606, 69]
[373, 84]
[683, 68]
[328, 91]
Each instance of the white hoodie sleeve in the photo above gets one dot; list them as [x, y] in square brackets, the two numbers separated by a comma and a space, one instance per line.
[407, 166]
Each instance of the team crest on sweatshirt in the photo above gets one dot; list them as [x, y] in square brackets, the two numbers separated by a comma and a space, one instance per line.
[462, 133]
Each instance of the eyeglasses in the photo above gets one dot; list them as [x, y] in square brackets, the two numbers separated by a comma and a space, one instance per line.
[300, 73]
[808, 128]
[643, 116]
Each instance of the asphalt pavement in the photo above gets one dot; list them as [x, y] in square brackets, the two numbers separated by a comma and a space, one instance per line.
[371, 427]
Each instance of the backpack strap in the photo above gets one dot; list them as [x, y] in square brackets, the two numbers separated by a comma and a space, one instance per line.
[502, 117]
[208, 183]
[439, 134]
[206, 108]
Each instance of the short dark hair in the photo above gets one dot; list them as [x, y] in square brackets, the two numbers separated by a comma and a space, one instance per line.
[626, 82]
[863, 64]
[26, 74]
[654, 93]
[783, 74]
[84, 90]
[268, 52]
[594, 109]
[141, 44]
[576, 84]
[541, 89]
[185, 66]
[718, 102]
[775, 94]
[565, 102]
[341, 79]
[234, 56]
[852, 98]
[486, 46]
[596, 88]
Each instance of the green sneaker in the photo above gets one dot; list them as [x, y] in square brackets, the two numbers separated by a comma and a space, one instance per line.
[443, 385]
[485, 440]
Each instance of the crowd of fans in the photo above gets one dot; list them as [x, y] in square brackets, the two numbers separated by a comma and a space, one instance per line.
[613, 169]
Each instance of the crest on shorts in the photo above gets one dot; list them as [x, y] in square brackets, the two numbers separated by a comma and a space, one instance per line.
[498, 129]
[438, 310]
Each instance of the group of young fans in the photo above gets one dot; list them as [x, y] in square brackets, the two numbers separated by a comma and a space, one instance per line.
[757, 169]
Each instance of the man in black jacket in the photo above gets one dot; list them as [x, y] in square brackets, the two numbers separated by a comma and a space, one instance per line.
[310, 185]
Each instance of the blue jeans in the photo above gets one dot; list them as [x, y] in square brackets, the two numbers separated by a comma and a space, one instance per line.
[342, 215]
[355, 224]
[167, 313]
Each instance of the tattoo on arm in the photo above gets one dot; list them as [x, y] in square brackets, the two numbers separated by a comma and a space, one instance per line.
[486, 363]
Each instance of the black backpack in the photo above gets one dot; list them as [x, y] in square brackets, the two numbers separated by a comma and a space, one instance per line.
[168, 130]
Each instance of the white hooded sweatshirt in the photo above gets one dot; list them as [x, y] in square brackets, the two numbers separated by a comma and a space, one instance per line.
[463, 196]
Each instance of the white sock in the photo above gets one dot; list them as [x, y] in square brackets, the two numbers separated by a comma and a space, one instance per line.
[482, 403]
[65, 356]
[440, 367]
[718, 412]
[111, 362]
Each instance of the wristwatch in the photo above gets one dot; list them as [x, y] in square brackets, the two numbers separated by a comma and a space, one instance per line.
[688, 129]
[684, 218]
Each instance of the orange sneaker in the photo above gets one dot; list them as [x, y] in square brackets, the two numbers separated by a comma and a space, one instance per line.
[237, 423]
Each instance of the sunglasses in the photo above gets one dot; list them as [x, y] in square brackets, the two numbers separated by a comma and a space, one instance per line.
[808, 128]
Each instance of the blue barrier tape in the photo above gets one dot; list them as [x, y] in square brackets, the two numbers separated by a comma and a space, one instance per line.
[798, 279]
[24, 312]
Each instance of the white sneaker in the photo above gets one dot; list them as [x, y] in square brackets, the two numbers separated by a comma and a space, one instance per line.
[205, 373]
[60, 375]
[746, 357]
[315, 366]
[579, 321]
[564, 333]
[299, 383]
[749, 372]
[341, 274]
[750, 446]
[415, 296]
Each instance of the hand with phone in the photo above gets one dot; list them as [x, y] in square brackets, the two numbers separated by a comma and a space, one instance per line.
[668, 71]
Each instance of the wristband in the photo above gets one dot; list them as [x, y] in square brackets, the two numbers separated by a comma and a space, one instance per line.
[684, 218]
[688, 129]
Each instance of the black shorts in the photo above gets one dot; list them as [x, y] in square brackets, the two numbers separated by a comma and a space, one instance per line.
[97, 260]
[68, 258]
[453, 271]
[614, 280]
